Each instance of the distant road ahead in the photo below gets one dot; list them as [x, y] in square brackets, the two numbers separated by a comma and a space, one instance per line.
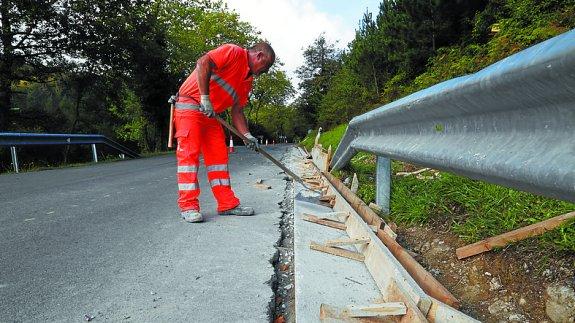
[106, 240]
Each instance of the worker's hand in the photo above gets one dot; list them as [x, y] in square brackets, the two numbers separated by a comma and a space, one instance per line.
[206, 106]
[251, 142]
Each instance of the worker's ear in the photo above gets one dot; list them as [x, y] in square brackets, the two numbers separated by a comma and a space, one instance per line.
[261, 56]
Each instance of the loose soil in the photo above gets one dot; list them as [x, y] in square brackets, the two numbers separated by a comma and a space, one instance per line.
[503, 285]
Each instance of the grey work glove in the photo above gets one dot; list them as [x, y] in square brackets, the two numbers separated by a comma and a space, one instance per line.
[252, 142]
[206, 106]
[172, 100]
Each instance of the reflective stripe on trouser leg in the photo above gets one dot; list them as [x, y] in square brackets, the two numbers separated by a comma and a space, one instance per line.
[216, 159]
[217, 168]
[220, 181]
[187, 154]
[188, 178]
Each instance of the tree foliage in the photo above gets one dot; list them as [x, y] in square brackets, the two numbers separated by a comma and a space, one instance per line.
[409, 45]
[195, 27]
[268, 105]
[106, 66]
[32, 44]
[322, 61]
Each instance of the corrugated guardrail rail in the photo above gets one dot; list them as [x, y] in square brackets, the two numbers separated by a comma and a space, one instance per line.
[512, 123]
[13, 139]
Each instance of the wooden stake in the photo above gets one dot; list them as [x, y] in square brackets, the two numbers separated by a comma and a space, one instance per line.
[389, 232]
[327, 223]
[377, 310]
[354, 184]
[337, 251]
[327, 198]
[327, 159]
[347, 241]
[339, 217]
[513, 236]
[412, 173]
[376, 208]
[171, 127]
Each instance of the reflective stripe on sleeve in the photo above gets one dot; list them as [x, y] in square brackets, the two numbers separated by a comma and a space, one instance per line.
[217, 168]
[226, 86]
[220, 181]
[187, 186]
[188, 169]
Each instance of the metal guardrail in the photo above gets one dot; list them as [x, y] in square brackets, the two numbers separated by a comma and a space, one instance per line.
[512, 124]
[14, 139]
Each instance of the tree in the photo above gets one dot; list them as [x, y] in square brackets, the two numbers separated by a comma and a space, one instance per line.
[345, 99]
[405, 34]
[322, 61]
[33, 40]
[194, 27]
[270, 89]
[127, 40]
[267, 107]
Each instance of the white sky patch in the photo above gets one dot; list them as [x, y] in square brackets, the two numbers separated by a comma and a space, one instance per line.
[292, 25]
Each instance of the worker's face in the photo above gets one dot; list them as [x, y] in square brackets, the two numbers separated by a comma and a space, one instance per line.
[261, 64]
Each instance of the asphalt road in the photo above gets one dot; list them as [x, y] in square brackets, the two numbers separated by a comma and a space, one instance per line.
[106, 240]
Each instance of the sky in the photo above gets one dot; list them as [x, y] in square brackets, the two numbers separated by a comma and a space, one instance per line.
[292, 25]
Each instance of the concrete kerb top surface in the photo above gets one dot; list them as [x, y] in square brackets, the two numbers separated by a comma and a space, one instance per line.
[322, 278]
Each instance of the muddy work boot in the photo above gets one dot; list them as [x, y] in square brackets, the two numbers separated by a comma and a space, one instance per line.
[238, 210]
[192, 216]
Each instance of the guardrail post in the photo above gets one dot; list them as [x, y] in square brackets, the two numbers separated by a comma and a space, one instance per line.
[94, 153]
[14, 158]
[383, 183]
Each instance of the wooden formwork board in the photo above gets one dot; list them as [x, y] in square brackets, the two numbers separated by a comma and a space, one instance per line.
[395, 283]
[385, 269]
[423, 278]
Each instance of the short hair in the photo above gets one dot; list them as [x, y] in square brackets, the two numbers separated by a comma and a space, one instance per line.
[267, 49]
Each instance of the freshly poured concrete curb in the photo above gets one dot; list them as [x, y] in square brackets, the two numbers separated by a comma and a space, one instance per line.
[320, 277]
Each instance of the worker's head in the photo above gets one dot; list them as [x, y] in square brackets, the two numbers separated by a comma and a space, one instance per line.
[261, 57]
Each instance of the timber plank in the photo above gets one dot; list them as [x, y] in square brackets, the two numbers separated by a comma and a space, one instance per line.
[337, 251]
[347, 241]
[327, 223]
[513, 236]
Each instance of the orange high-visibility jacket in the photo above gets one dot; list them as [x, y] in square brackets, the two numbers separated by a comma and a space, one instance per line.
[230, 82]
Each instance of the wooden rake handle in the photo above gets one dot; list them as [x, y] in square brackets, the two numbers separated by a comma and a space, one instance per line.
[171, 128]
[262, 151]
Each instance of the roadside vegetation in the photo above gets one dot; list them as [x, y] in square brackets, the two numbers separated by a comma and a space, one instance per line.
[391, 58]
[109, 67]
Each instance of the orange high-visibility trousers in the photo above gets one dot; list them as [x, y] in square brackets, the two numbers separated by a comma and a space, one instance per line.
[198, 134]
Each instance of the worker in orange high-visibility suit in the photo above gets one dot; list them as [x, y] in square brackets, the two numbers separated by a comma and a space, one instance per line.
[222, 78]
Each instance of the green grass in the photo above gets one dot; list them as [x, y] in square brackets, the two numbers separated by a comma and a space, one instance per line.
[475, 209]
[328, 138]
